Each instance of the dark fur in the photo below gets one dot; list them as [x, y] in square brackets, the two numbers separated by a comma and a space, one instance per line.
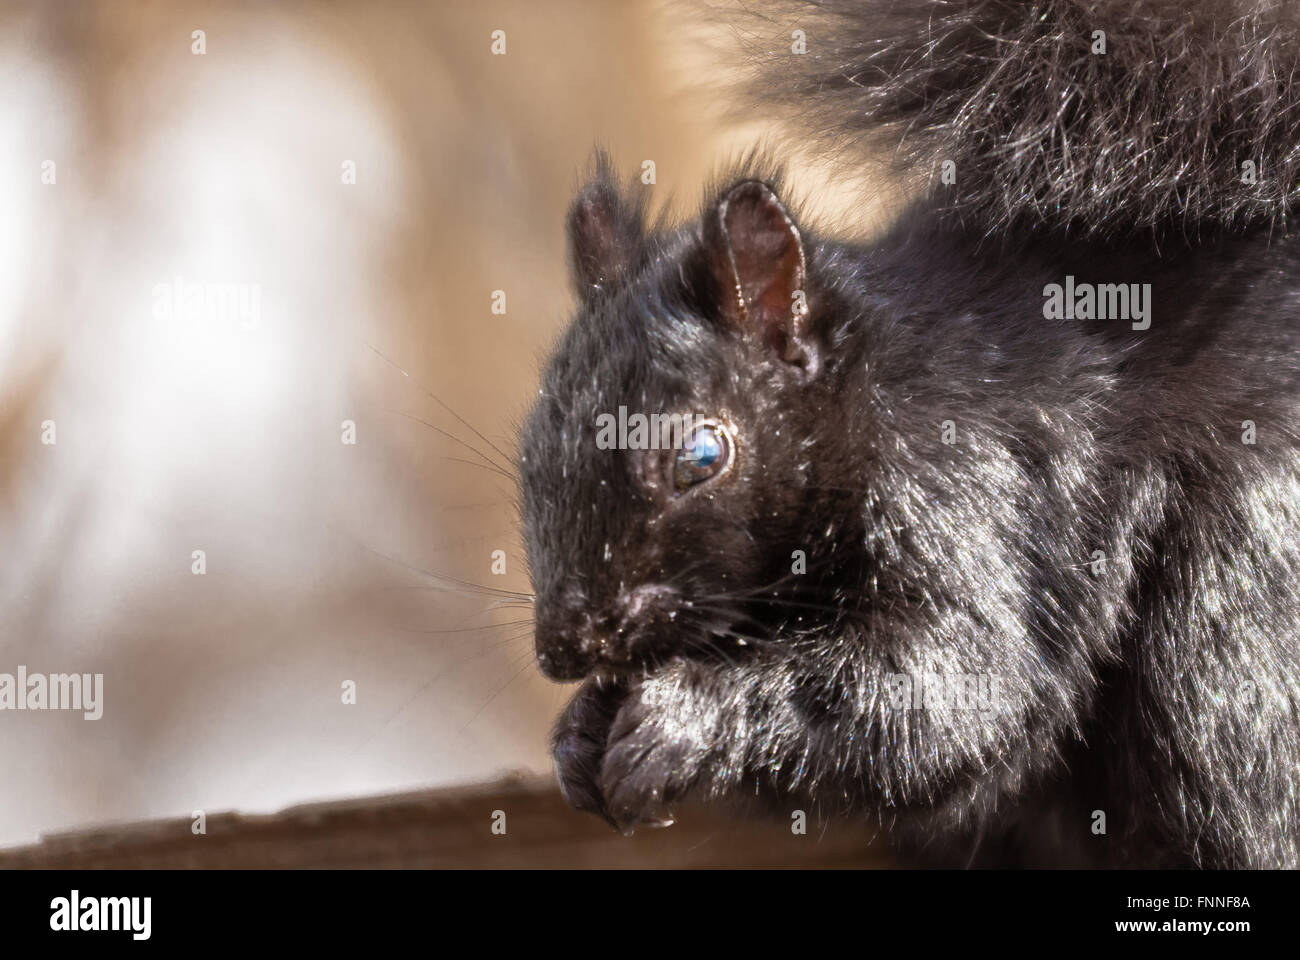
[1163, 690]
[1150, 136]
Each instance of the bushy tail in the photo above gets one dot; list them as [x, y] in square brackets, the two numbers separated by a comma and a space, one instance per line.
[1187, 122]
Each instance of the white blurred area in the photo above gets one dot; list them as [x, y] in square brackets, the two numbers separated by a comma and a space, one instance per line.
[181, 433]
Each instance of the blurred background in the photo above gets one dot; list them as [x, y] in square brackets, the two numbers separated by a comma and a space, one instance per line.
[216, 248]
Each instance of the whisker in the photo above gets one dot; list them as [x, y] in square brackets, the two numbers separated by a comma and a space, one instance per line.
[484, 626]
[424, 687]
[775, 601]
[472, 589]
[500, 690]
[487, 464]
[436, 399]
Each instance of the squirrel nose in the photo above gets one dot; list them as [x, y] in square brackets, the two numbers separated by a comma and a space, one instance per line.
[566, 640]
[561, 621]
[571, 642]
[559, 666]
[573, 646]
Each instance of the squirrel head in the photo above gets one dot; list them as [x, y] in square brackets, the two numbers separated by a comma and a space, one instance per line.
[670, 456]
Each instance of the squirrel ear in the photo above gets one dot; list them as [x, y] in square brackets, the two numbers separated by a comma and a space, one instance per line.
[758, 260]
[605, 234]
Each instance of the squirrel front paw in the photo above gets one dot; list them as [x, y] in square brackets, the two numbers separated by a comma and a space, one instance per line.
[578, 744]
[653, 758]
[629, 753]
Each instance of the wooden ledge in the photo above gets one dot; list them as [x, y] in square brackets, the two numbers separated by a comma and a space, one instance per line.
[449, 828]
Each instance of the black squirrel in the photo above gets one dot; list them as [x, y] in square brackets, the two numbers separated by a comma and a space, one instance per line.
[988, 529]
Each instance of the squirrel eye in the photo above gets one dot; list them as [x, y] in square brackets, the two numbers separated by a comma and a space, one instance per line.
[705, 455]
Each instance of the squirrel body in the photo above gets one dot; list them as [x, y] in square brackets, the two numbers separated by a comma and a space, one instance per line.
[920, 461]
